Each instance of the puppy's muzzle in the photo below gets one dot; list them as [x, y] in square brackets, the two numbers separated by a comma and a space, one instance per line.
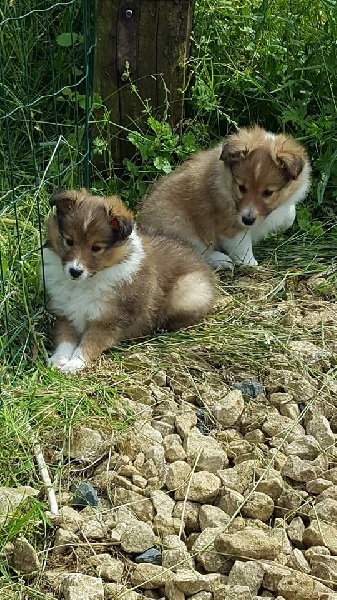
[75, 273]
[248, 217]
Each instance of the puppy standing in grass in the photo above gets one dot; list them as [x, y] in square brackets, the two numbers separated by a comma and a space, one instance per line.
[223, 200]
[107, 283]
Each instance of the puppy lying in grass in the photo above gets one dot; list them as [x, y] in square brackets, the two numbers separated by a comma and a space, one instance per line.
[225, 199]
[106, 282]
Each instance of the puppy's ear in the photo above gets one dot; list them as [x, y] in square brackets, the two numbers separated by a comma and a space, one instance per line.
[122, 227]
[233, 150]
[120, 218]
[64, 200]
[290, 157]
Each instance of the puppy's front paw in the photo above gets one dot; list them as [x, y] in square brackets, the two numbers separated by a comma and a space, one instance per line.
[248, 260]
[251, 262]
[62, 355]
[74, 365]
[218, 260]
[57, 361]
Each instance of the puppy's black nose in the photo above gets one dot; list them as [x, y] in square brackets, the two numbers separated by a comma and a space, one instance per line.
[75, 273]
[248, 219]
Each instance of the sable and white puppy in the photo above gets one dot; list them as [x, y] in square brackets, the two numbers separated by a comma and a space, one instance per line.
[224, 199]
[107, 283]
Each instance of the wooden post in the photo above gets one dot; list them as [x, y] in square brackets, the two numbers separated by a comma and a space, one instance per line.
[152, 36]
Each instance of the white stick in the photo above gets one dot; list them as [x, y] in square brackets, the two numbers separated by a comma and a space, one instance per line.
[41, 463]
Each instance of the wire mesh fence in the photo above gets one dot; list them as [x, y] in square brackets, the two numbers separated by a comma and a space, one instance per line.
[46, 55]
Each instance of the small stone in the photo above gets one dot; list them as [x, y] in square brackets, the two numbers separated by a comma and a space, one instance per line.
[191, 582]
[199, 487]
[152, 556]
[173, 448]
[175, 554]
[172, 592]
[188, 512]
[319, 533]
[313, 550]
[139, 438]
[212, 516]
[205, 554]
[330, 492]
[24, 558]
[295, 531]
[256, 436]
[206, 450]
[65, 541]
[77, 586]
[141, 507]
[202, 596]
[282, 427]
[228, 409]
[150, 576]
[108, 568]
[119, 590]
[233, 592]
[230, 501]
[324, 567]
[248, 574]
[317, 486]
[289, 502]
[301, 470]
[185, 421]
[305, 447]
[250, 543]
[238, 478]
[320, 429]
[11, 498]
[94, 528]
[70, 519]
[177, 476]
[258, 506]
[84, 495]
[139, 481]
[270, 483]
[298, 562]
[85, 444]
[138, 538]
[325, 510]
[249, 388]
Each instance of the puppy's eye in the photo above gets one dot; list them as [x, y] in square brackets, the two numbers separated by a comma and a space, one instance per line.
[267, 193]
[96, 248]
[68, 241]
[242, 189]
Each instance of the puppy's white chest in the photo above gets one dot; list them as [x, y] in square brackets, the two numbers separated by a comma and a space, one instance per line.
[79, 301]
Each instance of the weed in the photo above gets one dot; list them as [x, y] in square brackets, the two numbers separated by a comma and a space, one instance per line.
[272, 64]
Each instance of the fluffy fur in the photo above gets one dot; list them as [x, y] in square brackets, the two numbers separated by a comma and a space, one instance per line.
[107, 283]
[223, 200]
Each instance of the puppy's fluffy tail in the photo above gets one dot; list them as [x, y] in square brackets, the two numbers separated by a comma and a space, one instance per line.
[191, 298]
